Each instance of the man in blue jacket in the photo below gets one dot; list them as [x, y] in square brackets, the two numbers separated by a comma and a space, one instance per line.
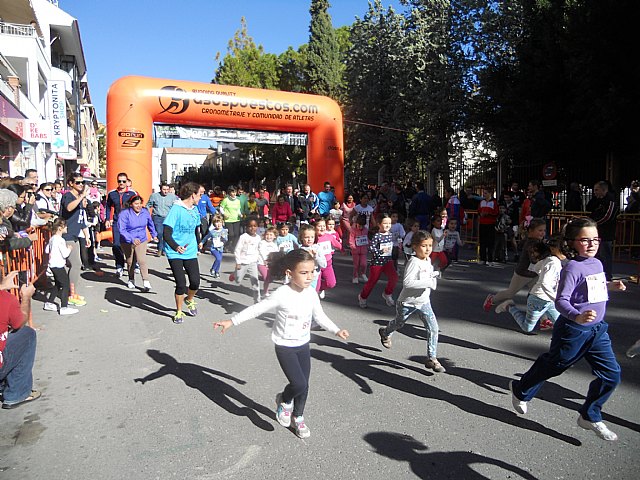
[205, 206]
[117, 200]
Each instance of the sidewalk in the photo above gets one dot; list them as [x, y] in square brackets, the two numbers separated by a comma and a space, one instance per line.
[129, 395]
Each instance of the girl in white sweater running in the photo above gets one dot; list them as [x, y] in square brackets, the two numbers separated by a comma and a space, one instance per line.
[247, 255]
[296, 305]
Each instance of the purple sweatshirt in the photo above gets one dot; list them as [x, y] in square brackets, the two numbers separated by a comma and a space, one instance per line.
[581, 279]
[134, 225]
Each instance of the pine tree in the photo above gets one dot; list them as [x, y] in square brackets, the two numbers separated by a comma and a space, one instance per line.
[324, 68]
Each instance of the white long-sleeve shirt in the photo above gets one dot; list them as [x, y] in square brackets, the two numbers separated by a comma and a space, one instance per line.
[294, 312]
[58, 252]
[265, 249]
[246, 251]
[418, 281]
[548, 270]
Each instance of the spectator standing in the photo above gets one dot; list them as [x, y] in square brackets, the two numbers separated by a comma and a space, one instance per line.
[159, 204]
[18, 347]
[326, 198]
[488, 213]
[455, 210]
[603, 208]
[72, 209]
[232, 213]
[308, 203]
[289, 198]
[421, 207]
[540, 206]
[205, 207]
[574, 198]
[117, 200]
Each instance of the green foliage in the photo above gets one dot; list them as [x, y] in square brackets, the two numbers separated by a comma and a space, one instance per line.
[324, 68]
[246, 64]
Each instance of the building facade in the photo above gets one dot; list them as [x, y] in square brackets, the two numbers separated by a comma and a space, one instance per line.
[47, 120]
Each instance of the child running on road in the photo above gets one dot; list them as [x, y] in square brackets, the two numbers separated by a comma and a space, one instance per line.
[326, 243]
[418, 281]
[541, 300]
[307, 237]
[438, 257]
[522, 275]
[296, 305]
[286, 241]
[381, 247]
[266, 247]
[58, 253]
[247, 258]
[452, 240]
[359, 243]
[219, 236]
[580, 332]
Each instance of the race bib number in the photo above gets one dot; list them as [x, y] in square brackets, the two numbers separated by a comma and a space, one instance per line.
[286, 246]
[252, 249]
[362, 240]
[386, 249]
[597, 288]
[217, 242]
[324, 248]
[296, 327]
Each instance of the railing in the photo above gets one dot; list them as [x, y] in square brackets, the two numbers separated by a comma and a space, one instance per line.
[17, 29]
[30, 262]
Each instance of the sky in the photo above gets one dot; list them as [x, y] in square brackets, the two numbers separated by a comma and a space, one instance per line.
[178, 39]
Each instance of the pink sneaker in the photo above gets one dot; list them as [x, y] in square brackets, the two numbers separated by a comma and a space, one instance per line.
[488, 303]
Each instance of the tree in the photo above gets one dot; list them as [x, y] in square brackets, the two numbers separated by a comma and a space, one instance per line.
[324, 68]
[246, 64]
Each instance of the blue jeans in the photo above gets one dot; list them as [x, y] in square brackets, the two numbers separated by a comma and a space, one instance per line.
[157, 222]
[536, 307]
[18, 356]
[217, 255]
[569, 343]
[425, 312]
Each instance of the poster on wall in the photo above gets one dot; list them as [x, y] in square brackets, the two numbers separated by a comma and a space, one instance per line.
[58, 116]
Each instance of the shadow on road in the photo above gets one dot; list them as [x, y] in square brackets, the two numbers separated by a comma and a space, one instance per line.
[424, 464]
[204, 379]
[362, 370]
[124, 297]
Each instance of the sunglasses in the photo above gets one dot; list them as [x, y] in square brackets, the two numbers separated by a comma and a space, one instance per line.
[47, 189]
[81, 182]
[122, 181]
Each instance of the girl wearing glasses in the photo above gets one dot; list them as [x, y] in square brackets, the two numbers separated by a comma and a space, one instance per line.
[580, 332]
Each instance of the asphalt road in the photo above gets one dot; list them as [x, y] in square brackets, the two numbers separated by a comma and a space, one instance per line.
[205, 409]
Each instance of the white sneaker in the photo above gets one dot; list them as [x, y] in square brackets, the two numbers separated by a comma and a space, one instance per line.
[300, 428]
[362, 302]
[363, 277]
[599, 428]
[119, 272]
[504, 306]
[68, 311]
[518, 405]
[131, 285]
[137, 270]
[355, 280]
[146, 285]
[50, 307]
[321, 294]
[389, 299]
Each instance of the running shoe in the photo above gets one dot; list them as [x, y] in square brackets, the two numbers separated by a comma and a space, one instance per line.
[68, 311]
[191, 307]
[634, 350]
[545, 324]
[131, 285]
[146, 285]
[435, 365]
[518, 405]
[76, 302]
[599, 428]
[50, 307]
[119, 272]
[283, 411]
[385, 339]
[488, 303]
[388, 299]
[362, 302]
[355, 280]
[364, 278]
[178, 318]
[212, 272]
[321, 294]
[300, 428]
[232, 277]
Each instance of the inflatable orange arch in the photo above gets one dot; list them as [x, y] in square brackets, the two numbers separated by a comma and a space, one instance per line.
[135, 103]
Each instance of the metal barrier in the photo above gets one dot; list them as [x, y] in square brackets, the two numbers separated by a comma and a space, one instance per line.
[30, 260]
[469, 231]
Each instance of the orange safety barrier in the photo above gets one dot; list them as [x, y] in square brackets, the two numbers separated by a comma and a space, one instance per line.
[30, 260]
[469, 231]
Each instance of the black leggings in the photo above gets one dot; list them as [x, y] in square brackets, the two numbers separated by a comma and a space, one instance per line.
[178, 267]
[296, 365]
[61, 287]
[487, 238]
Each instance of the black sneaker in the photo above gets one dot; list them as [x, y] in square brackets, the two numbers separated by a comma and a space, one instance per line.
[385, 339]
